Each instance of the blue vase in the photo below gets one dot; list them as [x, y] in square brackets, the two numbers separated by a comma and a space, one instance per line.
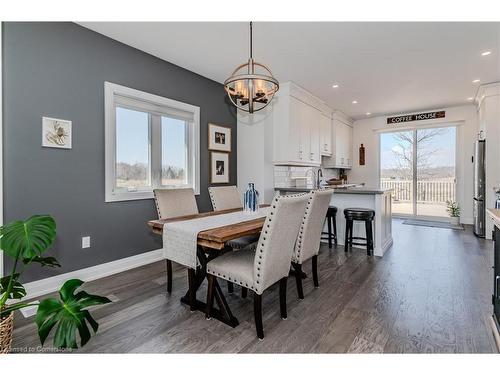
[251, 199]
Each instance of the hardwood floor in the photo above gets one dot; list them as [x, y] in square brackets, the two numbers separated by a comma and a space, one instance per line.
[431, 293]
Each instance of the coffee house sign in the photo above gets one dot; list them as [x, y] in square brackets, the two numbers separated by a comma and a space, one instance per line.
[416, 117]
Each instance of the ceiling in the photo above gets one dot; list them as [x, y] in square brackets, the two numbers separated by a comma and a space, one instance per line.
[386, 67]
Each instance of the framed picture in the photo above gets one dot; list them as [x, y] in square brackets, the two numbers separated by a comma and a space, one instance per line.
[219, 138]
[56, 133]
[219, 168]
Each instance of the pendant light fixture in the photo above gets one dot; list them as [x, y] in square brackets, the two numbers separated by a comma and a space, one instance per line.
[252, 86]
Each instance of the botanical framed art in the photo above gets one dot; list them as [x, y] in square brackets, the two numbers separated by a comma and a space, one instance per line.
[219, 138]
[219, 168]
[56, 133]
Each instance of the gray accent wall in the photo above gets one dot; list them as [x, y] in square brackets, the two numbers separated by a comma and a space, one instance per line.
[58, 70]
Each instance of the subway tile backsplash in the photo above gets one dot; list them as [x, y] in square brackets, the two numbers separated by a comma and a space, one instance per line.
[284, 176]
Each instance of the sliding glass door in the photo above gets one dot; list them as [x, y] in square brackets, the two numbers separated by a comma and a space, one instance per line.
[419, 165]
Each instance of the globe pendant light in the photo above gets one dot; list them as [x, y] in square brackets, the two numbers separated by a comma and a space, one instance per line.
[252, 86]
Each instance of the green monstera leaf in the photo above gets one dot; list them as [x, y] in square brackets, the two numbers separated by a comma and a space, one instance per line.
[28, 238]
[44, 262]
[16, 292]
[69, 314]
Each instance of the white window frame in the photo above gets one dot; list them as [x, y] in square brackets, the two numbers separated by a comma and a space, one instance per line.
[144, 102]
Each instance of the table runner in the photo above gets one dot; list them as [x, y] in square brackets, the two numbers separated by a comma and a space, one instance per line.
[180, 238]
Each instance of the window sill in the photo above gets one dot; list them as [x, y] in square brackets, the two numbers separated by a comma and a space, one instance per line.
[139, 195]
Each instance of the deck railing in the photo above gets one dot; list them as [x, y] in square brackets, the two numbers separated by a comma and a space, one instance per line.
[428, 191]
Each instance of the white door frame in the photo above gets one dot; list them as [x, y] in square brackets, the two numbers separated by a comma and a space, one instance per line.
[458, 176]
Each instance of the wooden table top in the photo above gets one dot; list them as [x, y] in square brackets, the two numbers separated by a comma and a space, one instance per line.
[217, 237]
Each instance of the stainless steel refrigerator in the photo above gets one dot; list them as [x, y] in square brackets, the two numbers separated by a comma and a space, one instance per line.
[479, 189]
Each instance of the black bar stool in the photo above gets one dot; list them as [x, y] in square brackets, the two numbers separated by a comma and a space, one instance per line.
[331, 220]
[359, 214]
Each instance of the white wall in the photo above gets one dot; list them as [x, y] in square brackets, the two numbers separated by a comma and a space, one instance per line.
[367, 131]
[254, 160]
[488, 99]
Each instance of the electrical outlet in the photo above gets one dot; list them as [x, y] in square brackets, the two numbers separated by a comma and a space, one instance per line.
[85, 242]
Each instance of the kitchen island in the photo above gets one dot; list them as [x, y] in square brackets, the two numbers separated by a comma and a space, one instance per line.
[379, 200]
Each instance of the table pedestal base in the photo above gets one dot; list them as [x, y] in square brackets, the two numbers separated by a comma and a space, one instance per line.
[223, 313]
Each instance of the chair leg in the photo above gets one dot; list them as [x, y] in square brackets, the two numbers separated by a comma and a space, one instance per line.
[257, 312]
[346, 238]
[315, 271]
[329, 222]
[210, 295]
[244, 292]
[298, 279]
[351, 229]
[169, 276]
[369, 237]
[230, 287]
[334, 219]
[192, 292]
[283, 298]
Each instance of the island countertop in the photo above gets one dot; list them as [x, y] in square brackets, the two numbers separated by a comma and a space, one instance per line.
[494, 214]
[348, 190]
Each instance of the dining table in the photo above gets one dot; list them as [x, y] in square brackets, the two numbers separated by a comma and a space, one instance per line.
[210, 244]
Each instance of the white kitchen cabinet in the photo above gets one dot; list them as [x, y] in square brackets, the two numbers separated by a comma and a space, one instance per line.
[292, 148]
[313, 124]
[291, 131]
[343, 144]
[297, 128]
[342, 141]
[326, 135]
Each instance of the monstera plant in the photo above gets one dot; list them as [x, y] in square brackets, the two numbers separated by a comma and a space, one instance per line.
[26, 243]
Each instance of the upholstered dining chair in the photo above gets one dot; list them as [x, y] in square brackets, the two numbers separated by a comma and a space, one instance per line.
[271, 261]
[309, 237]
[226, 198]
[174, 203]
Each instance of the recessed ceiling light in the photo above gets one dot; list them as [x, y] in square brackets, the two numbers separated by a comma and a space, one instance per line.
[368, 113]
[354, 102]
[476, 81]
[335, 86]
[486, 53]
[470, 99]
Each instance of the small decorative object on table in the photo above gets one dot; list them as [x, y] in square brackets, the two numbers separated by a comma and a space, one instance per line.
[251, 199]
[453, 209]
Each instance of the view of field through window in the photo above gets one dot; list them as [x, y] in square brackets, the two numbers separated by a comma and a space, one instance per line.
[132, 149]
[133, 156]
[173, 151]
[424, 190]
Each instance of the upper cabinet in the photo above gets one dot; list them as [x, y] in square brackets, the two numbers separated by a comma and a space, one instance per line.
[341, 156]
[296, 129]
[326, 135]
[300, 127]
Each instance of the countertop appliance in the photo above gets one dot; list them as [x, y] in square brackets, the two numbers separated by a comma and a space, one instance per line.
[479, 188]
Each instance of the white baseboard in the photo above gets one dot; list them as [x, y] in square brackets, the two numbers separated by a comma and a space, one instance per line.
[51, 284]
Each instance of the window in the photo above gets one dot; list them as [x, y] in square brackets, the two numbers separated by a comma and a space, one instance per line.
[151, 142]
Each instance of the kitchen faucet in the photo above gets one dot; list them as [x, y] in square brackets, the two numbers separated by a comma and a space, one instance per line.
[318, 180]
